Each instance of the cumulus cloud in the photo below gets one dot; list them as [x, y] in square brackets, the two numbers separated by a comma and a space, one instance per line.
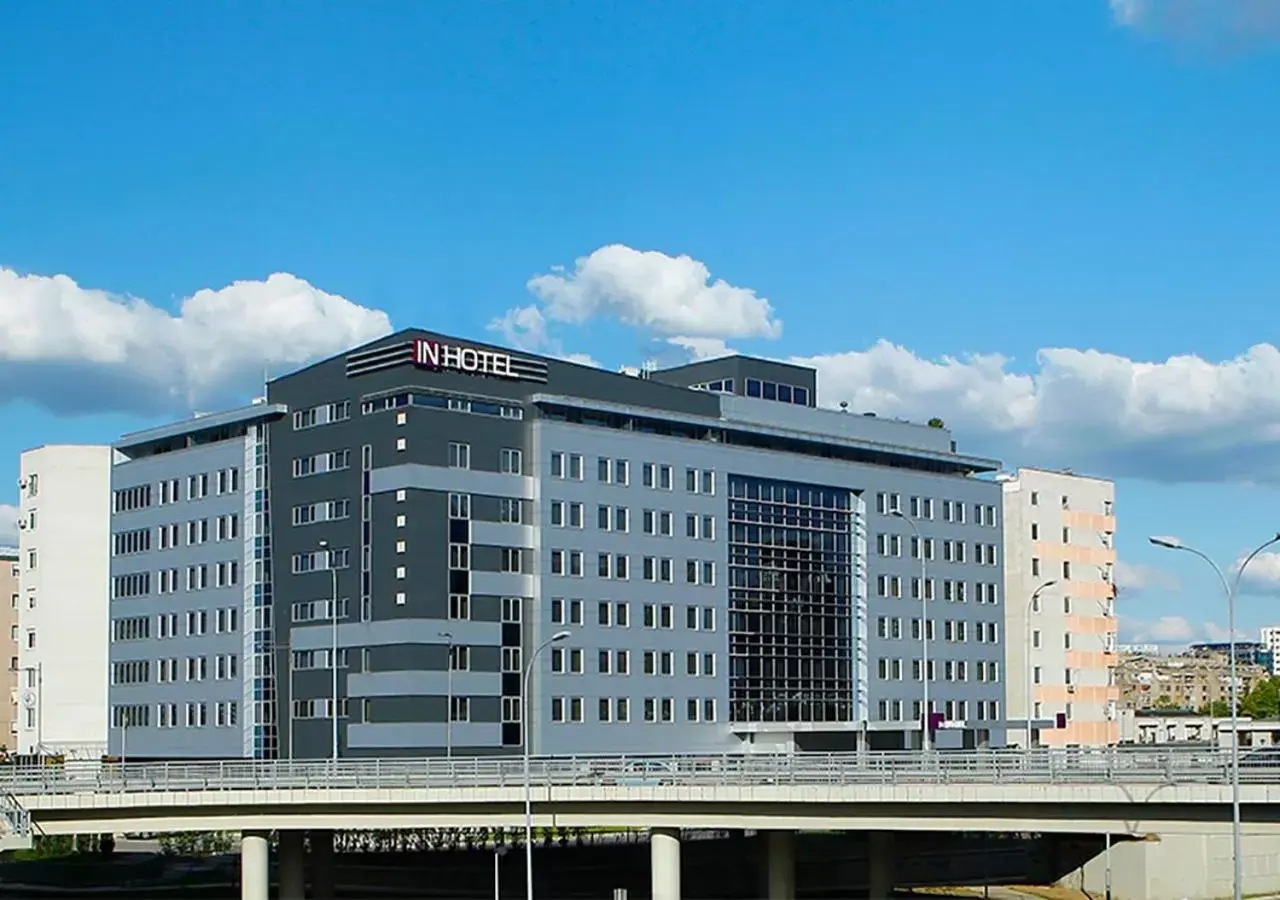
[1180, 419]
[8, 525]
[1201, 21]
[1131, 577]
[1170, 631]
[661, 295]
[525, 328]
[702, 347]
[75, 349]
[1263, 574]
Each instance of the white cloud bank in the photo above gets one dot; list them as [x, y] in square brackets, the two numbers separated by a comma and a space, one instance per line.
[1184, 418]
[1202, 21]
[76, 349]
[1180, 419]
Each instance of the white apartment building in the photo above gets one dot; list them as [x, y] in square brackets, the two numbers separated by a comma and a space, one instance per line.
[1271, 640]
[9, 572]
[1060, 627]
[63, 606]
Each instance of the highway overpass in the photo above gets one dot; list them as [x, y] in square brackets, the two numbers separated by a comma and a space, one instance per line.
[1131, 793]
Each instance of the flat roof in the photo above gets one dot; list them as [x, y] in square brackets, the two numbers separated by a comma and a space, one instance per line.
[255, 412]
[960, 461]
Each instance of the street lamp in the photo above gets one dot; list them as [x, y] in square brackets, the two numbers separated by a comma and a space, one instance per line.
[448, 721]
[1031, 602]
[524, 742]
[333, 650]
[924, 627]
[1231, 588]
[498, 852]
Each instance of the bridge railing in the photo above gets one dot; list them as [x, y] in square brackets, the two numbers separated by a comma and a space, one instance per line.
[1040, 766]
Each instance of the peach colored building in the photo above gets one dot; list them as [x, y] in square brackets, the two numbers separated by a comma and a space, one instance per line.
[9, 639]
[1059, 540]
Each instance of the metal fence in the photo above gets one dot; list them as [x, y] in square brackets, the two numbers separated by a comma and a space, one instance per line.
[1119, 766]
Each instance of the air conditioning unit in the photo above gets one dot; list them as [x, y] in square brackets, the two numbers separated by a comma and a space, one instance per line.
[1071, 689]
[22, 524]
[22, 484]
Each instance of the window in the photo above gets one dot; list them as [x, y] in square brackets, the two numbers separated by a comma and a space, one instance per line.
[459, 606]
[459, 455]
[511, 461]
[510, 560]
[509, 510]
[460, 506]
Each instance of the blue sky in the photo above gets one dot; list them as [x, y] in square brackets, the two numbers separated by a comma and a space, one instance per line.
[1051, 224]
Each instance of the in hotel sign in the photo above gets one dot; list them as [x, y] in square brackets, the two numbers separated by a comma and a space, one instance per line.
[438, 355]
[443, 356]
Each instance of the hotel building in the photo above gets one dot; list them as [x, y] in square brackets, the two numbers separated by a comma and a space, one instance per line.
[699, 558]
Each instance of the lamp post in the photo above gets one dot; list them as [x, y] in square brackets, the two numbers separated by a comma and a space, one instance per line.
[498, 853]
[448, 721]
[1230, 588]
[924, 628]
[1031, 602]
[333, 650]
[524, 743]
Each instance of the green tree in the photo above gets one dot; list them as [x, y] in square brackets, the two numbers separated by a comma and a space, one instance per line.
[1218, 709]
[1164, 701]
[935, 422]
[1263, 701]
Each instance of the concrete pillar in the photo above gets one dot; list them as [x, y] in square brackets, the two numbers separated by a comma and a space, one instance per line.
[880, 865]
[322, 867]
[782, 865]
[664, 863]
[255, 866]
[292, 863]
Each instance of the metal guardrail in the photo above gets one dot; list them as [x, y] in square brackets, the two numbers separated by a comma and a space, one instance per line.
[1065, 767]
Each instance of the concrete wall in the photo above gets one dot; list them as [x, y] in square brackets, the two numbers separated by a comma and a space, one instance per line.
[10, 598]
[63, 613]
[1181, 867]
[1060, 527]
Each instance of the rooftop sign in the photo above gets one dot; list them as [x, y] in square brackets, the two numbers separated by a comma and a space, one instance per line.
[442, 356]
[437, 355]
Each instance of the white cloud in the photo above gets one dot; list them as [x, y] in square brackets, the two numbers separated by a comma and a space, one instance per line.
[8, 525]
[1263, 574]
[1131, 577]
[1201, 21]
[1183, 418]
[666, 296]
[1164, 630]
[702, 347]
[525, 328]
[74, 349]
[1179, 419]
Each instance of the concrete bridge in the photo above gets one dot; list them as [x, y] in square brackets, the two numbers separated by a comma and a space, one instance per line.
[1130, 793]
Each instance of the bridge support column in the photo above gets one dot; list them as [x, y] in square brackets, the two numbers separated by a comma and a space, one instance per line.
[323, 872]
[292, 865]
[664, 863]
[782, 865]
[255, 866]
[880, 865]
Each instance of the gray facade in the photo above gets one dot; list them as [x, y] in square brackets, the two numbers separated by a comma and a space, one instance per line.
[449, 510]
[183, 577]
